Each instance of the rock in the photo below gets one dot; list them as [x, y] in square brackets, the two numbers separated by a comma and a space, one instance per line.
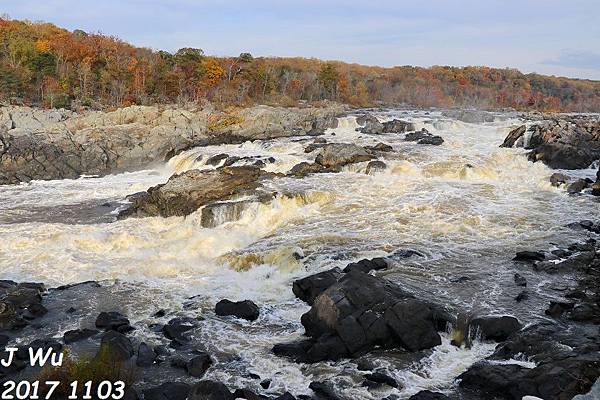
[593, 394]
[339, 154]
[145, 355]
[288, 396]
[246, 394]
[382, 147]
[379, 377]
[424, 137]
[520, 280]
[216, 159]
[101, 143]
[529, 256]
[470, 116]
[304, 168]
[374, 166]
[577, 186]
[198, 365]
[114, 321]
[265, 384]
[185, 193]
[78, 335]
[4, 341]
[557, 179]
[324, 391]
[360, 312]
[432, 140]
[522, 296]
[168, 391]
[367, 266]
[242, 309]
[175, 328]
[428, 395]
[513, 136]
[117, 345]
[557, 309]
[307, 289]
[9, 319]
[210, 390]
[496, 328]
[397, 126]
[565, 142]
[370, 125]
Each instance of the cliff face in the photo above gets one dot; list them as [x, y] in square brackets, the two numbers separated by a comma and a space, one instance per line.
[59, 144]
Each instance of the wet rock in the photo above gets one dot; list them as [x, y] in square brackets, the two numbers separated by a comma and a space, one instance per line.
[210, 390]
[557, 309]
[496, 328]
[514, 136]
[379, 377]
[424, 137]
[433, 140]
[557, 179]
[577, 186]
[593, 394]
[168, 391]
[113, 321]
[117, 345]
[242, 309]
[9, 319]
[428, 395]
[520, 280]
[374, 166]
[324, 391]
[529, 256]
[286, 396]
[307, 289]
[145, 355]
[367, 266]
[522, 296]
[397, 126]
[4, 341]
[362, 120]
[382, 147]
[198, 365]
[265, 384]
[216, 159]
[360, 312]
[565, 142]
[370, 125]
[78, 335]
[185, 193]
[177, 327]
[339, 154]
[470, 116]
[304, 168]
[246, 394]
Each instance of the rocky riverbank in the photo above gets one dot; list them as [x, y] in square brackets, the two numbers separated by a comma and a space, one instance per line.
[58, 144]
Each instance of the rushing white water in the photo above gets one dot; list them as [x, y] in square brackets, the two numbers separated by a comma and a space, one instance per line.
[467, 206]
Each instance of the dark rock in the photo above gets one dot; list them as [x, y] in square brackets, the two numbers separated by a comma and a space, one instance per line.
[324, 391]
[78, 335]
[432, 140]
[168, 391]
[529, 256]
[198, 365]
[520, 280]
[428, 395]
[265, 384]
[557, 309]
[216, 159]
[382, 147]
[397, 126]
[4, 340]
[242, 309]
[496, 328]
[307, 289]
[160, 313]
[367, 266]
[557, 179]
[304, 168]
[34, 311]
[175, 328]
[210, 390]
[145, 355]
[514, 136]
[374, 166]
[577, 186]
[424, 137]
[113, 321]
[380, 377]
[285, 396]
[522, 296]
[246, 394]
[470, 116]
[117, 345]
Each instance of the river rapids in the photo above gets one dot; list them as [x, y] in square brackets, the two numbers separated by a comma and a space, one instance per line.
[466, 206]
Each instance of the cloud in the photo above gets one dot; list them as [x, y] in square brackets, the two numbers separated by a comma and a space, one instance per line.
[576, 59]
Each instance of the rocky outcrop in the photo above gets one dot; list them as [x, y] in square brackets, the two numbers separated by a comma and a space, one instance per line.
[336, 155]
[358, 313]
[371, 125]
[565, 142]
[470, 116]
[424, 137]
[38, 144]
[185, 193]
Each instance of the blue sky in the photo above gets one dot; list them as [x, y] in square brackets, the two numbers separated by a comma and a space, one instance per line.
[553, 37]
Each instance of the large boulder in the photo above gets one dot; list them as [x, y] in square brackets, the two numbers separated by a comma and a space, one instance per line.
[496, 328]
[245, 309]
[185, 193]
[339, 154]
[372, 126]
[360, 312]
[309, 288]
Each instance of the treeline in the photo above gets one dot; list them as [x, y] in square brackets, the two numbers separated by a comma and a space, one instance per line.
[42, 64]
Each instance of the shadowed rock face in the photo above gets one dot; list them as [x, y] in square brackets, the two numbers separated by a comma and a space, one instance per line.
[38, 144]
[187, 192]
[565, 142]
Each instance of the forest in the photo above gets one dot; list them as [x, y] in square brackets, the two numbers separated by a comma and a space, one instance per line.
[44, 65]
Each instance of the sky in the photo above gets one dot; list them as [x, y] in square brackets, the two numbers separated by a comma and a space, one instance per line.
[552, 37]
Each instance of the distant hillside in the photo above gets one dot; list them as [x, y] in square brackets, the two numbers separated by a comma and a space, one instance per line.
[42, 64]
